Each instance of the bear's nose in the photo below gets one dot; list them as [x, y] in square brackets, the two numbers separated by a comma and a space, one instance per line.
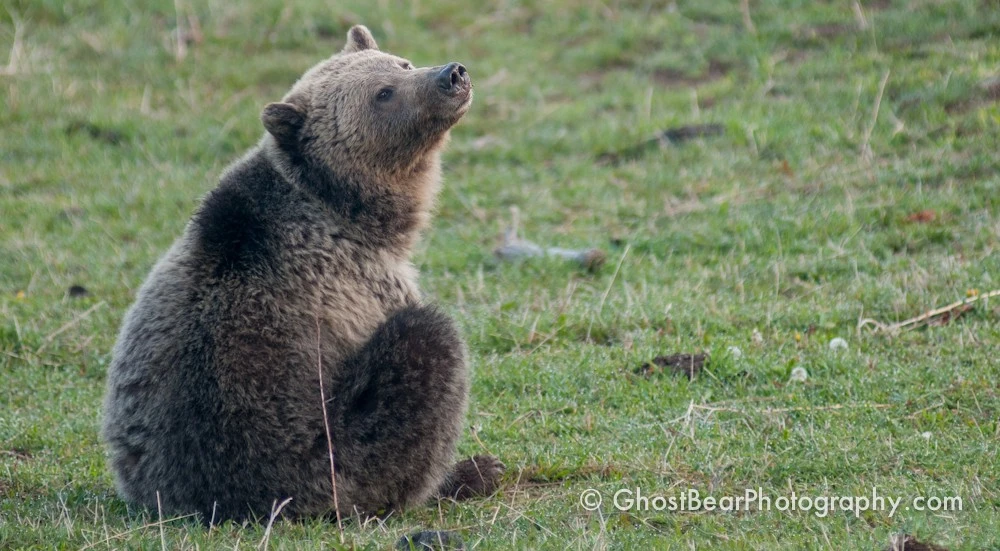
[451, 76]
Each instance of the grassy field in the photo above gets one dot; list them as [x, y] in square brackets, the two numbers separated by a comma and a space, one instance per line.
[853, 176]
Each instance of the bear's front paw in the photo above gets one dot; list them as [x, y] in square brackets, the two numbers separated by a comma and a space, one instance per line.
[477, 476]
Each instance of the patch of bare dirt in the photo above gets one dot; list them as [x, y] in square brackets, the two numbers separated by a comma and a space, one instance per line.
[110, 136]
[688, 365]
[906, 542]
[672, 136]
[77, 291]
[673, 78]
[20, 454]
[987, 92]
[922, 217]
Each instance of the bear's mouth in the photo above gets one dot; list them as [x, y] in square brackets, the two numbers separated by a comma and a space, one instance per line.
[466, 101]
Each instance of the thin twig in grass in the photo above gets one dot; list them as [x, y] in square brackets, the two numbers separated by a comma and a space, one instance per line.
[685, 417]
[854, 109]
[16, 49]
[326, 427]
[973, 417]
[275, 511]
[194, 26]
[475, 435]
[834, 407]
[109, 538]
[65, 514]
[520, 514]
[159, 517]
[373, 523]
[938, 315]
[493, 519]
[979, 408]
[604, 297]
[48, 339]
[747, 399]
[211, 521]
[747, 21]
[866, 150]
[104, 521]
[859, 15]
[543, 341]
[517, 487]
[602, 532]
[180, 40]
[688, 416]
[532, 413]
[915, 414]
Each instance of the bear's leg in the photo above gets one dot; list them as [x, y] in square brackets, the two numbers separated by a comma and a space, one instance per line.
[477, 476]
[397, 410]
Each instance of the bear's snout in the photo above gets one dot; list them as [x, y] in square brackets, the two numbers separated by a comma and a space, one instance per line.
[453, 78]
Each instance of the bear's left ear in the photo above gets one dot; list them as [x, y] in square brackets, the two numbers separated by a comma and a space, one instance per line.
[283, 121]
[359, 38]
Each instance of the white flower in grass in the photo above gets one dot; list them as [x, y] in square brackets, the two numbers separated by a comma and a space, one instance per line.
[838, 344]
[799, 375]
[734, 352]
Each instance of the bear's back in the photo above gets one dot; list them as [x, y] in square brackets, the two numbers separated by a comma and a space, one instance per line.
[214, 378]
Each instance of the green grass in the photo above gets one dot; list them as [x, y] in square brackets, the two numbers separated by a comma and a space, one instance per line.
[783, 225]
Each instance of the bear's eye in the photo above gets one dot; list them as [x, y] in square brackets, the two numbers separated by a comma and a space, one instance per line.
[385, 94]
[407, 66]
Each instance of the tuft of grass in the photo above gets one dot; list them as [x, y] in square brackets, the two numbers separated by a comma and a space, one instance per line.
[805, 215]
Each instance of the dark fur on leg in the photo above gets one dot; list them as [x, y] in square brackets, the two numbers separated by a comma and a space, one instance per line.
[476, 476]
[399, 407]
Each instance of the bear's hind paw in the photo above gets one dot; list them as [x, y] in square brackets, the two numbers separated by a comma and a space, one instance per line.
[477, 476]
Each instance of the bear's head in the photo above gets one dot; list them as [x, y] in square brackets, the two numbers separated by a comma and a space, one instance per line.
[365, 113]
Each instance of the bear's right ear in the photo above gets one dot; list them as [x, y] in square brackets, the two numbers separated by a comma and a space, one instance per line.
[283, 121]
[359, 38]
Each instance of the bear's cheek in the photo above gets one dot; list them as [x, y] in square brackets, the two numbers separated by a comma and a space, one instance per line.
[404, 120]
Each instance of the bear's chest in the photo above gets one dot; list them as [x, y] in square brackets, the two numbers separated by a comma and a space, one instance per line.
[351, 289]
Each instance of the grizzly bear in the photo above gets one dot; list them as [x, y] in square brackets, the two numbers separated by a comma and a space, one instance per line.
[293, 281]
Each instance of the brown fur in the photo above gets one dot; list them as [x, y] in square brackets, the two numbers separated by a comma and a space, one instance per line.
[300, 259]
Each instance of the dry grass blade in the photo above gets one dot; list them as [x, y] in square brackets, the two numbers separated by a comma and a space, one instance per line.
[51, 336]
[159, 515]
[326, 427]
[275, 511]
[111, 537]
[16, 51]
[834, 407]
[938, 316]
[747, 20]
[866, 150]
[611, 284]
